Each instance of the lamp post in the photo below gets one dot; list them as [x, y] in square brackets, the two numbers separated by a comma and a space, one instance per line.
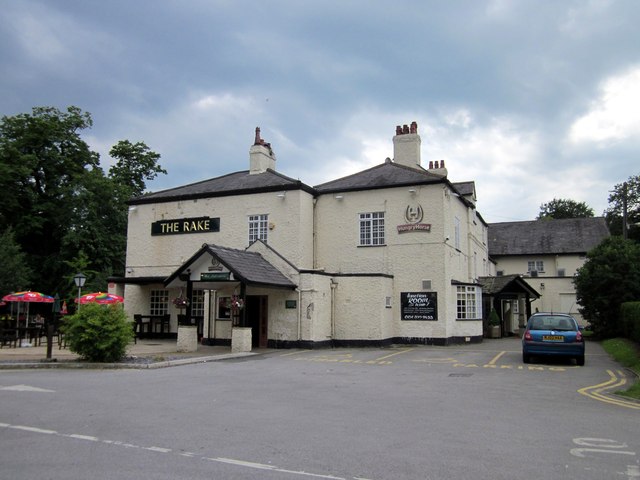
[79, 280]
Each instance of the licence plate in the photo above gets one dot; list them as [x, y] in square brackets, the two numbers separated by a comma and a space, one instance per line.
[552, 338]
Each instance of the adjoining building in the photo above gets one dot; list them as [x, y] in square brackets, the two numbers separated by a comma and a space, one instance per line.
[547, 253]
[391, 254]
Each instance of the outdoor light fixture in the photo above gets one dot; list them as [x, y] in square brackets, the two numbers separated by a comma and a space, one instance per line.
[339, 197]
[282, 195]
[79, 280]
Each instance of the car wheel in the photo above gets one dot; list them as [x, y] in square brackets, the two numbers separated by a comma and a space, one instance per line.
[580, 361]
[526, 358]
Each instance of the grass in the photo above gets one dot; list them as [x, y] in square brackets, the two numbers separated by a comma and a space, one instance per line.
[627, 353]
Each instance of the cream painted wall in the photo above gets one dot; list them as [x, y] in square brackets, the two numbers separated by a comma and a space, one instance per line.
[290, 233]
[557, 293]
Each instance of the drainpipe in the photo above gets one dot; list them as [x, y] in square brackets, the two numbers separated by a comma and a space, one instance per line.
[334, 285]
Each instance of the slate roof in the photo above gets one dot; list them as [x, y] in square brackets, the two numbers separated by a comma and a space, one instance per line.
[506, 284]
[385, 175]
[546, 237]
[249, 267]
[237, 183]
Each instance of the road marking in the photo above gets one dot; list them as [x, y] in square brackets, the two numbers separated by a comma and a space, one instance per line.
[496, 358]
[169, 451]
[25, 388]
[598, 392]
[393, 354]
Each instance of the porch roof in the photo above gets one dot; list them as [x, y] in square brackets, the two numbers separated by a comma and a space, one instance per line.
[506, 284]
[250, 268]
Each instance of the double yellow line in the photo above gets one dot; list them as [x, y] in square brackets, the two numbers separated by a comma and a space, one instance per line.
[615, 381]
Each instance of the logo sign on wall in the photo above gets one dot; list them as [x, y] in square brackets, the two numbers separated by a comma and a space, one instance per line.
[413, 216]
[185, 225]
[419, 305]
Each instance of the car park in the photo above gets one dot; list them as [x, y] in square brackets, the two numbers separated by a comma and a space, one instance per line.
[553, 334]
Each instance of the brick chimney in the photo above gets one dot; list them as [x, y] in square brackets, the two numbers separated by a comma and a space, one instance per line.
[437, 167]
[406, 145]
[261, 156]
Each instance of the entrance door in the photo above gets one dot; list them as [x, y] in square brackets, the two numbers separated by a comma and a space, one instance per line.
[257, 319]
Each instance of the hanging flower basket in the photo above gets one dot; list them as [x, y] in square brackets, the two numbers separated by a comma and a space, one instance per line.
[235, 303]
[181, 302]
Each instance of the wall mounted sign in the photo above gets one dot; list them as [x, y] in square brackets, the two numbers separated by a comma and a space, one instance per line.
[185, 225]
[413, 215]
[214, 276]
[419, 306]
[290, 304]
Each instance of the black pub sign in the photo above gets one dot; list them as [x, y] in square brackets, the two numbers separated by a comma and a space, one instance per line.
[419, 305]
[185, 225]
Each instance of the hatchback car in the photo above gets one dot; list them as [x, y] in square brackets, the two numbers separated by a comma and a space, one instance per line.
[552, 334]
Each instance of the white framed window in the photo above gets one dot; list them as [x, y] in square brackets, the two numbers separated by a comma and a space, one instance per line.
[159, 302]
[258, 227]
[197, 303]
[535, 266]
[372, 228]
[468, 302]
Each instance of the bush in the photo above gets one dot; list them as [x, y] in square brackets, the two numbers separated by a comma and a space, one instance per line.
[494, 319]
[99, 333]
[630, 317]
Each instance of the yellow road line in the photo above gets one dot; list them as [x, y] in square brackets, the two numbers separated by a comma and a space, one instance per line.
[596, 391]
[496, 358]
[393, 354]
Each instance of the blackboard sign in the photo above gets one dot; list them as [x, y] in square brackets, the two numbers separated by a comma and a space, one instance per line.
[419, 305]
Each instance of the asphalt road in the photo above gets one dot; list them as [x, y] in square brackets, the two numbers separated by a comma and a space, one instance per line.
[408, 412]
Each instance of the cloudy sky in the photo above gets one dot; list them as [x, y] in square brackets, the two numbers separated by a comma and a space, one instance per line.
[531, 99]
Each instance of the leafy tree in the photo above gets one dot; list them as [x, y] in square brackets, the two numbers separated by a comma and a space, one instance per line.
[609, 277]
[43, 162]
[136, 163]
[99, 333]
[614, 213]
[564, 208]
[15, 274]
[58, 200]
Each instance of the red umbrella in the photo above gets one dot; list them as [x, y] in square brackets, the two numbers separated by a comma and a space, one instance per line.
[100, 297]
[28, 297]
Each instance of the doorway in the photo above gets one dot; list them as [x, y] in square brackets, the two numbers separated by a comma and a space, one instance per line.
[257, 318]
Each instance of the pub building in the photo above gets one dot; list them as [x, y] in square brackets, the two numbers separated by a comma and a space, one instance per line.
[392, 254]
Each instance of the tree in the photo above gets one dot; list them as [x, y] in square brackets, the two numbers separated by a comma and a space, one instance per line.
[58, 201]
[43, 162]
[136, 163]
[564, 208]
[14, 271]
[609, 277]
[614, 213]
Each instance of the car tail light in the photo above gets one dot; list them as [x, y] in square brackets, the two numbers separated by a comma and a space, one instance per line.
[527, 336]
[578, 336]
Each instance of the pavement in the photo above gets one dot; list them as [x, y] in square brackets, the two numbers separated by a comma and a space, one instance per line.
[145, 353]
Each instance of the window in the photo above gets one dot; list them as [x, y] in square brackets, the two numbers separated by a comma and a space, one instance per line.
[224, 311]
[159, 302]
[197, 303]
[535, 266]
[258, 228]
[372, 228]
[468, 303]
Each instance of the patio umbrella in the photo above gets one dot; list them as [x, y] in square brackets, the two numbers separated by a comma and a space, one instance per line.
[28, 297]
[99, 297]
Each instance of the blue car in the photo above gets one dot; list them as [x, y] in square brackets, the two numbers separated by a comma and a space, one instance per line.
[554, 334]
